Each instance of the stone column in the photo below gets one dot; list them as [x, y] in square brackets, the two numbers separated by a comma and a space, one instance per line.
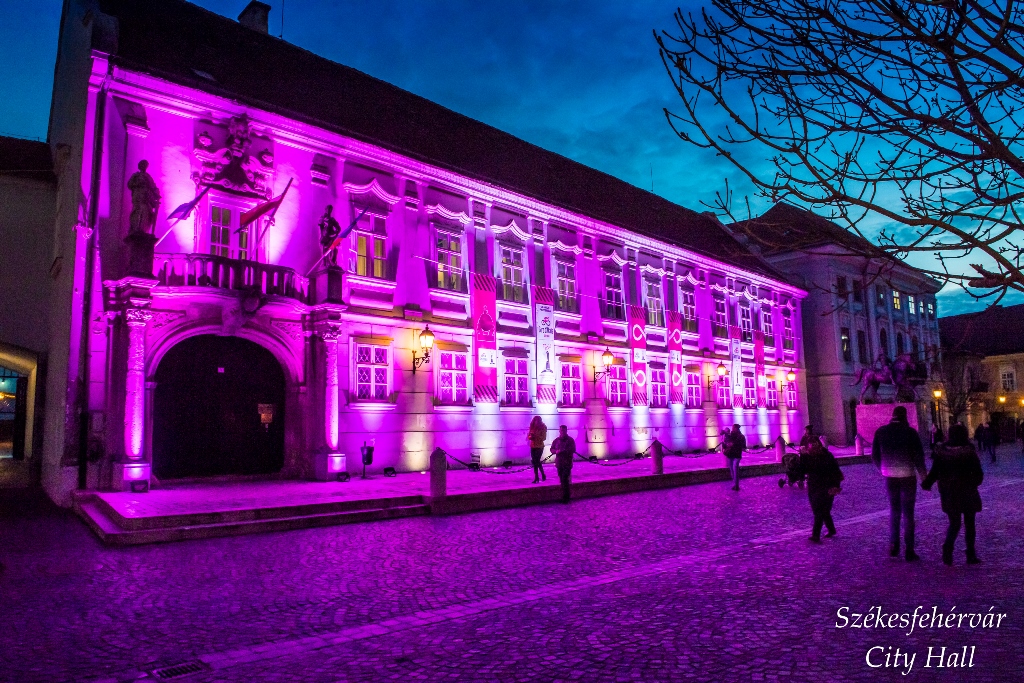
[133, 472]
[330, 464]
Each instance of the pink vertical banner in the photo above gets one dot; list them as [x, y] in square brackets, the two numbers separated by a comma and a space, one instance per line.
[762, 381]
[485, 338]
[677, 391]
[544, 322]
[637, 319]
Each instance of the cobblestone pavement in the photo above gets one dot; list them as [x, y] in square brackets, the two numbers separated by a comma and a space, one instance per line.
[696, 583]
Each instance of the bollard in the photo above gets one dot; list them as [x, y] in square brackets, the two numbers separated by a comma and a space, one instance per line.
[858, 445]
[657, 458]
[780, 448]
[438, 474]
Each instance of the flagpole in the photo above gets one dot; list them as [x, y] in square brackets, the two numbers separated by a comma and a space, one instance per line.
[178, 220]
[342, 236]
[272, 214]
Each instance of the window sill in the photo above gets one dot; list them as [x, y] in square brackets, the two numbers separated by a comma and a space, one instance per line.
[574, 408]
[453, 407]
[660, 409]
[372, 406]
[516, 408]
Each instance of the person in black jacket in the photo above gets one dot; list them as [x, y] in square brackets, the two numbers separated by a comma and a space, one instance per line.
[733, 446]
[898, 454]
[958, 470]
[823, 479]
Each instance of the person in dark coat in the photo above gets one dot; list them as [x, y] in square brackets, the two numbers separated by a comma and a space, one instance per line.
[897, 452]
[958, 470]
[979, 436]
[991, 440]
[808, 439]
[564, 448]
[733, 446]
[823, 479]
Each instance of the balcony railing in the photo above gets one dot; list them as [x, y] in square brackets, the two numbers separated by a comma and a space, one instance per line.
[205, 270]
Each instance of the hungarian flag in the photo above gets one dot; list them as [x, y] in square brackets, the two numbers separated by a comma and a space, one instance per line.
[261, 210]
[183, 211]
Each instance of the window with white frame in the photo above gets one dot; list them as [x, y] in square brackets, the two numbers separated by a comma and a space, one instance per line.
[931, 311]
[724, 395]
[767, 326]
[787, 329]
[517, 381]
[1008, 378]
[572, 384]
[453, 377]
[372, 370]
[659, 388]
[771, 395]
[791, 395]
[613, 309]
[694, 395]
[749, 393]
[721, 320]
[911, 305]
[449, 260]
[226, 239]
[655, 306]
[746, 323]
[897, 303]
[688, 309]
[565, 283]
[618, 385]
[512, 282]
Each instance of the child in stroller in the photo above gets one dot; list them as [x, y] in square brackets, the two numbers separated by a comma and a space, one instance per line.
[794, 474]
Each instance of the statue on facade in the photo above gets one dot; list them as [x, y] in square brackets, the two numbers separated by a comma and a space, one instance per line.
[145, 201]
[329, 231]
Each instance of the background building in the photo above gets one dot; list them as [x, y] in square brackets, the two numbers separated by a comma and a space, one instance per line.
[983, 357]
[240, 348]
[862, 308]
[28, 190]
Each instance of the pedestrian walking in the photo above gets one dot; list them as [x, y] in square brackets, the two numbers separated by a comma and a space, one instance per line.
[733, 446]
[897, 452]
[823, 480]
[537, 435]
[564, 448]
[991, 440]
[979, 436]
[808, 439]
[958, 470]
[937, 436]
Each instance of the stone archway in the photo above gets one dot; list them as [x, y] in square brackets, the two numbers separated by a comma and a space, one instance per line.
[218, 409]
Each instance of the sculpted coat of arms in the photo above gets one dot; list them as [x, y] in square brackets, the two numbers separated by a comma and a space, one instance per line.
[233, 157]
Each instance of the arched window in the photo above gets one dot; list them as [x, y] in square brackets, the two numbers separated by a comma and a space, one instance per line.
[883, 342]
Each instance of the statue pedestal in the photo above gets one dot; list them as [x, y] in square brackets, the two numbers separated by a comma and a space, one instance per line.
[140, 253]
[328, 285]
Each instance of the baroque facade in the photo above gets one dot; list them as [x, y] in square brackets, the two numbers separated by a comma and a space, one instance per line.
[864, 311]
[309, 224]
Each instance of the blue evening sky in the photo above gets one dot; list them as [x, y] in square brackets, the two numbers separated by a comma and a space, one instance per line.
[579, 78]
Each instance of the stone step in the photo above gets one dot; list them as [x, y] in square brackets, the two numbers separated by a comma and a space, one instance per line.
[113, 534]
[251, 514]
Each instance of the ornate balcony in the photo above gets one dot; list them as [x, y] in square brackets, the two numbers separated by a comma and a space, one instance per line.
[205, 270]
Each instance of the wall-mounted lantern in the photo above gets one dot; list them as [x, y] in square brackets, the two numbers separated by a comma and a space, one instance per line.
[606, 362]
[426, 343]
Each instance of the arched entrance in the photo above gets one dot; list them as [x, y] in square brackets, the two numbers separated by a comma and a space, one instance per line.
[218, 409]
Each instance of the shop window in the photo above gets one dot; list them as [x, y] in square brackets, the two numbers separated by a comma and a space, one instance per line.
[372, 371]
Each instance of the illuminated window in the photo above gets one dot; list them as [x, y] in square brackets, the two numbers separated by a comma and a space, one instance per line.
[565, 282]
[931, 310]
[613, 309]
[517, 381]
[721, 320]
[791, 395]
[845, 343]
[618, 385]
[1009, 380]
[896, 302]
[370, 255]
[449, 261]
[746, 324]
[911, 305]
[749, 393]
[655, 306]
[772, 394]
[688, 308]
[659, 388]
[372, 370]
[787, 329]
[572, 384]
[512, 274]
[453, 380]
[224, 223]
[724, 395]
[694, 395]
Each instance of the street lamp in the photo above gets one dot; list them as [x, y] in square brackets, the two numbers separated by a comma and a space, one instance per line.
[937, 394]
[606, 362]
[937, 408]
[1002, 399]
[721, 370]
[426, 343]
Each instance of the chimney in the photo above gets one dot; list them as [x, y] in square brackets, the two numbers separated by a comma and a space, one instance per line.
[256, 16]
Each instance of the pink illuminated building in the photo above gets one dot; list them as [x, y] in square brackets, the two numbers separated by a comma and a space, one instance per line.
[246, 349]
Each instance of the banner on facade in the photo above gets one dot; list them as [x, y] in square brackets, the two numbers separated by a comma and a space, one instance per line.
[736, 371]
[637, 319]
[762, 381]
[485, 338]
[544, 321]
[677, 380]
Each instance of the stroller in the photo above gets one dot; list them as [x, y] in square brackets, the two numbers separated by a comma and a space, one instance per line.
[794, 475]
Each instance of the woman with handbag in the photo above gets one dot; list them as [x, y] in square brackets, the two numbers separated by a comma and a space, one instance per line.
[823, 480]
[537, 435]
